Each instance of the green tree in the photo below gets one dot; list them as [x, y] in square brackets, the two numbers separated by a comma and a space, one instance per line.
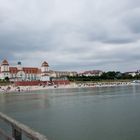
[6, 79]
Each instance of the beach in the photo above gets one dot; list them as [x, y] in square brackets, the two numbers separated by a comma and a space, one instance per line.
[20, 89]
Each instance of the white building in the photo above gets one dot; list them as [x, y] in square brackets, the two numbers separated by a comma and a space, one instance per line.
[133, 73]
[20, 73]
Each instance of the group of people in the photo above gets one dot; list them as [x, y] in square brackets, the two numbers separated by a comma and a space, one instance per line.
[11, 88]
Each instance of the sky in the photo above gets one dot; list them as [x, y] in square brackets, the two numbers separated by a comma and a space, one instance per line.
[72, 35]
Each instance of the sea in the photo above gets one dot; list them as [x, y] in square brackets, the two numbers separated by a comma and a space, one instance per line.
[98, 113]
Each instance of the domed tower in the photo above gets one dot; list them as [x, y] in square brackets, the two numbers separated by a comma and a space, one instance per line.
[44, 67]
[45, 74]
[19, 66]
[20, 75]
[5, 69]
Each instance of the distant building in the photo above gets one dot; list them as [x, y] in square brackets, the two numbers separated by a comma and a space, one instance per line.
[19, 73]
[63, 73]
[132, 73]
[91, 73]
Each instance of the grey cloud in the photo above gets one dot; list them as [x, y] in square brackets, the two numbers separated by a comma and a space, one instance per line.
[72, 34]
[132, 21]
[118, 40]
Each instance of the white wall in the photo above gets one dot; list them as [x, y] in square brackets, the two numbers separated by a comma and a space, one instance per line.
[45, 78]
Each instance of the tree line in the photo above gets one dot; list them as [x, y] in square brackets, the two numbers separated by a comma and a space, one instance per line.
[110, 75]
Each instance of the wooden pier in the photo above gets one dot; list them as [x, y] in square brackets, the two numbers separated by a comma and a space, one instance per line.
[18, 129]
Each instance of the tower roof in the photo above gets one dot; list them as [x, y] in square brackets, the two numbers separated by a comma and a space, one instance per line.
[19, 63]
[45, 64]
[5, 62]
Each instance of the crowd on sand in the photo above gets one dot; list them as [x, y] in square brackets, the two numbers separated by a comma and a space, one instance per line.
[21, 89]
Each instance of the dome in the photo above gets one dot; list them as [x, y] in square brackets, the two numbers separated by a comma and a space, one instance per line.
[19, 63]
[5, 62]
[45, 64]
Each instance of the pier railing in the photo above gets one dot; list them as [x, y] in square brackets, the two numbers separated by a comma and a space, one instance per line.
[18, 129]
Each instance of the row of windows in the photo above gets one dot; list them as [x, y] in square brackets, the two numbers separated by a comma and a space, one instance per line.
[6, 74]
[27, 75]
[31, 77]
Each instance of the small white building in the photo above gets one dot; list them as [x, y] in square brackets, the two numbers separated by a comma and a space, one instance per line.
[132, 73]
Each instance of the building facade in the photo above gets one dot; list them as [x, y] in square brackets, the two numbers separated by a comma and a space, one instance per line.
[62, 74]
[19, 73]
[91, 73]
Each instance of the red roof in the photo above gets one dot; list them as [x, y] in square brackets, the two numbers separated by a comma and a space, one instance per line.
[13, 70]
[30, 70]
[27, 70]
[5, 62]
[45, 64]
[39, 70]
[92, 72]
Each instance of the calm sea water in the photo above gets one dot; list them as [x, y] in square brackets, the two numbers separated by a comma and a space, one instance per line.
[111, 113]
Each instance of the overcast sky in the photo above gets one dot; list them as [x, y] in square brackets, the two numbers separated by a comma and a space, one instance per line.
[71, 34]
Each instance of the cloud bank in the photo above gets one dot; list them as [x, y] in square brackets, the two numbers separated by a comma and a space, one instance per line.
[71, 34]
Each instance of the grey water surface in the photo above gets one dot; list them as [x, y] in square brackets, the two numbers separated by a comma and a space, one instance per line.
[109, 113]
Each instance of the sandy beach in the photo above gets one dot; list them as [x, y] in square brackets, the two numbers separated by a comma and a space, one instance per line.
[20, 89]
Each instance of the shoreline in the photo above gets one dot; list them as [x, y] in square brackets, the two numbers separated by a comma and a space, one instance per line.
[25, 89]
